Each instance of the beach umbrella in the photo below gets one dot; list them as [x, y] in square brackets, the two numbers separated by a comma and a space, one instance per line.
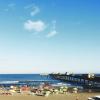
[61, 87]
[12, 91]
[47, 93]
[56, 91]
[75, 90]
[11, 87]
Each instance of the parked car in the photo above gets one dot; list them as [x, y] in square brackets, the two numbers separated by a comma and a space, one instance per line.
[94, 98]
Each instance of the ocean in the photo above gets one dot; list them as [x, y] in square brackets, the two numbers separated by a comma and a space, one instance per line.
[30, 79]
[25, 79]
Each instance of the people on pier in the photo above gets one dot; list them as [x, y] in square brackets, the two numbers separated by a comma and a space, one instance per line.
[90, 75]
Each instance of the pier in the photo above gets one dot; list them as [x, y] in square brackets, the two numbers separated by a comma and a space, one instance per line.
[88, 81]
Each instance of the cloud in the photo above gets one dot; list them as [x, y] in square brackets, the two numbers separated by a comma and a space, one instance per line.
[53, 31]
[54, 24]
[28, 6]
[33, 9]
[51, 34]
[10, 6]
[37, 26]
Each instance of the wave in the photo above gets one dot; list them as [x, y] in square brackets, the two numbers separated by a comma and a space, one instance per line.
[9, 82]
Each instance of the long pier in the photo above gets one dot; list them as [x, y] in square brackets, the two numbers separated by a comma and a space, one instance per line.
[85, 80]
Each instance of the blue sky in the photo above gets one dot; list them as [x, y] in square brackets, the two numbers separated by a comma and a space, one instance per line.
[38, 36]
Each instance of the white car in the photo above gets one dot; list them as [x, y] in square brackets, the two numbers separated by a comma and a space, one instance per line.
[94, 98]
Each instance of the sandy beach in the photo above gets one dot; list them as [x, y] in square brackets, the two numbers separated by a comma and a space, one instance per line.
[72, 96]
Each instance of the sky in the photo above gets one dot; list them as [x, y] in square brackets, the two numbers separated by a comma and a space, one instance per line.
[44, 36]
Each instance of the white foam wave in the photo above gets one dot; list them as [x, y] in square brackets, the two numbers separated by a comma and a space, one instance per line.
[8, 82]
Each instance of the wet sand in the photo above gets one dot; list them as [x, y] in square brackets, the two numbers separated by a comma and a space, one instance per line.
[72, 96]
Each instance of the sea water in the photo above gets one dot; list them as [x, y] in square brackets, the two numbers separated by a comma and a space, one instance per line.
[26, 79]
[31, 79]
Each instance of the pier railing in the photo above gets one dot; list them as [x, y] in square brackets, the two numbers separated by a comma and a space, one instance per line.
[81, 79]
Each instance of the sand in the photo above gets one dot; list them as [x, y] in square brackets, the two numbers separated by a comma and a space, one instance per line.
[72, 96]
